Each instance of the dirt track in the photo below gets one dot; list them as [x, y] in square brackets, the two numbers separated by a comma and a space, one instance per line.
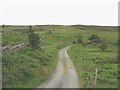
[65, 75]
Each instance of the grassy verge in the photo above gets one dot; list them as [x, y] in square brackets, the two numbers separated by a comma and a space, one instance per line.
[87, 59]
[28, 67]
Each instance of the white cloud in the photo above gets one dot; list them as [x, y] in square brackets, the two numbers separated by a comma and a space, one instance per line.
[91, 12]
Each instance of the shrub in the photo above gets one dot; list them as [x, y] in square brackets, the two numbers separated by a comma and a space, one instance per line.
[34, 40]
[84, 44]
[74, 42]
[80, 39]
[94, 38]
[118, 42]
[50, 32]
[103, 45]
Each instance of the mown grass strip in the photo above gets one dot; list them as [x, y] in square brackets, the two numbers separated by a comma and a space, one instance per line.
[65, 65]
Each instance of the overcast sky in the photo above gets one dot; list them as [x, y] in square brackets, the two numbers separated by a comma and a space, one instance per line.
[32, 12]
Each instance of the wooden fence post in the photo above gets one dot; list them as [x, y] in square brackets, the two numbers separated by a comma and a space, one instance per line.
[96, 76]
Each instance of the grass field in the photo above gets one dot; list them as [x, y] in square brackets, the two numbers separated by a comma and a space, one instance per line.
[30, 68]
[87, 59]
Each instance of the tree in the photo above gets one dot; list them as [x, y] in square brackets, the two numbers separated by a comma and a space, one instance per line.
[3, 26]
[33, 39]
[30, 29]
[103, 45]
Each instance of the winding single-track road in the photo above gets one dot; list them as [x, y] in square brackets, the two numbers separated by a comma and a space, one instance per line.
[65, 75]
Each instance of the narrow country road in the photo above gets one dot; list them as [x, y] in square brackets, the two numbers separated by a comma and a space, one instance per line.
[65, 75]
